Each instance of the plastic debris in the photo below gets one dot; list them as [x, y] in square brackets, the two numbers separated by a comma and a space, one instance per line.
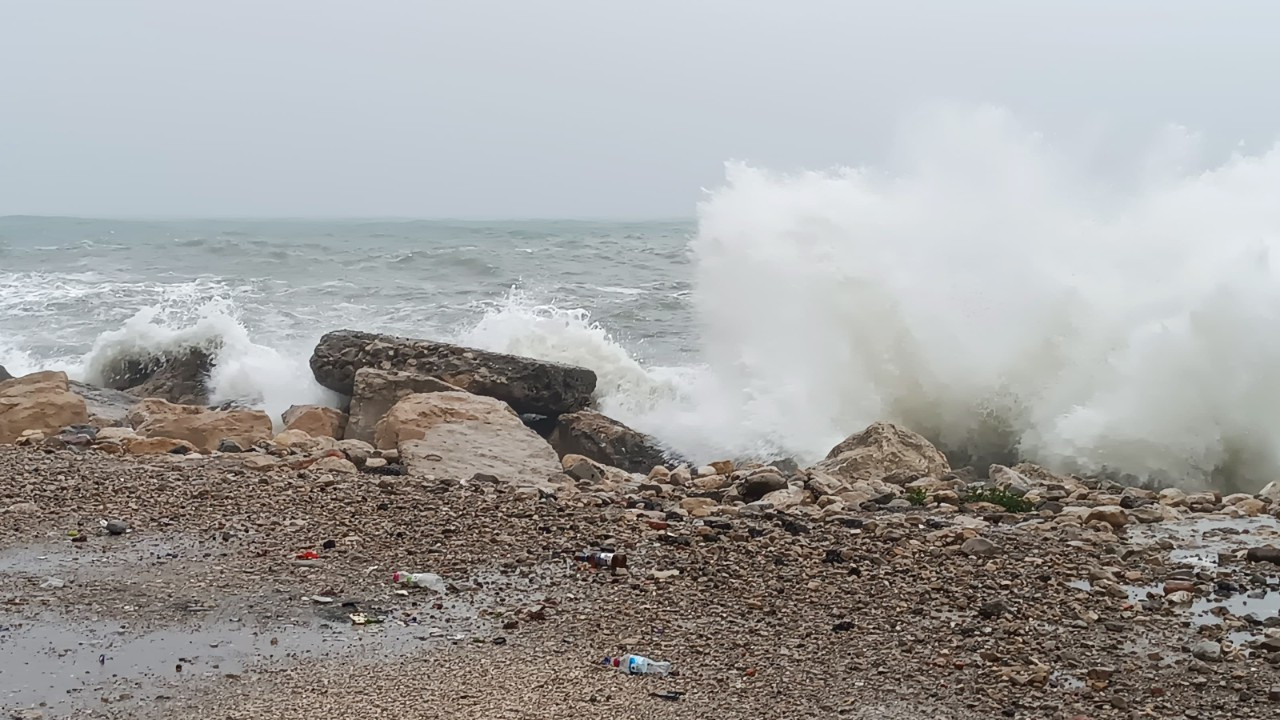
[431, 581]
[638, 665]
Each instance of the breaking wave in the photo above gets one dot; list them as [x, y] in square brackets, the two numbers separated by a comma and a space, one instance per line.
[982, 287]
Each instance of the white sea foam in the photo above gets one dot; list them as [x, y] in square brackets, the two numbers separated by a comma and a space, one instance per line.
[985, 295]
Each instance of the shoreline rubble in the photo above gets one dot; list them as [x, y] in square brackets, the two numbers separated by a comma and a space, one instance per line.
[879, 569]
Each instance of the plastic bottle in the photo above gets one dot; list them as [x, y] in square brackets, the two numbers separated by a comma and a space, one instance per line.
[638, 665]
[431, 581]
[602, 559]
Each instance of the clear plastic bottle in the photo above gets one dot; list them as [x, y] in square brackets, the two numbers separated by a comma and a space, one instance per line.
[431, 581]
[638, 665]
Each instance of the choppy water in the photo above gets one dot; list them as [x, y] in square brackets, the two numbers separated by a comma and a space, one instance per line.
[983, 289]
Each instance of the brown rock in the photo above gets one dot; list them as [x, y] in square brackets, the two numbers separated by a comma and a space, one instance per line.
[201, 427]
[180, 377]
[606, 441]
[529, 386]
[375, 392]
[41, 402]
[157, 446]
[698, 507]
[329, 463]
[303, 442]
[1113, 515]
[315, 420]
[458, 435]
[884, 453]
[785, 498]
[259, 462]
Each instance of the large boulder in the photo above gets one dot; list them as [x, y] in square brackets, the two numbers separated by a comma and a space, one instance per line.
[4, 374]
[458, 435]
[203, 428]
[529, 386]
[606, 441]
[180, 376]
[884, 452]
[375, 392]
[315, 420]
[40, 401]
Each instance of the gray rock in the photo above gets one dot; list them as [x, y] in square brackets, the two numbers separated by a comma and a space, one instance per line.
[884, 453]
[584, 470]
[979, 547]
[107, 407]
[529, 386]
[1208, 651]
[4, 374]
[117, 527]
[757, 486]
[180, 377]
[1263, 554]
[607, 441]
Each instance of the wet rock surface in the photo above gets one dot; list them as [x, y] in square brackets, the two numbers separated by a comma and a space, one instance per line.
[606, 441]
[179, 377]
[529, 386]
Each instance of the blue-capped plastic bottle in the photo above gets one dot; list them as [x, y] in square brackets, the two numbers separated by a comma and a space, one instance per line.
[638, 665]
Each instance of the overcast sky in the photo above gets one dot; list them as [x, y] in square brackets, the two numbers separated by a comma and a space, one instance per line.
[560, 108]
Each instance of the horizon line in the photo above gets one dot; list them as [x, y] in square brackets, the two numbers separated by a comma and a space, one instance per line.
[350, 218]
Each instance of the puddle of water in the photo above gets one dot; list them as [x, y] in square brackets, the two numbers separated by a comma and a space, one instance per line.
[1068, 682]
[56, 661]
[98, 559]
[1201, 609]
[1211, 534]
[52, 661]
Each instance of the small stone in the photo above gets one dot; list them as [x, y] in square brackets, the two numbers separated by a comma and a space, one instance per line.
[993, 609]
[1274, 694]
[1208, 651]
[374, 463]
[117, 527]
[23, 508]
[53, 583]
[979, 547]
[228, 445]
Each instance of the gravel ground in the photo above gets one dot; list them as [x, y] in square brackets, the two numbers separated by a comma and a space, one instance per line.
[881, 615]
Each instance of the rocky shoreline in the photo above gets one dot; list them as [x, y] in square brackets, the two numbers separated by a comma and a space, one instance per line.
[879, 582]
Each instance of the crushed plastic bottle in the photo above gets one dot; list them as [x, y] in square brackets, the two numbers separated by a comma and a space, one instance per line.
[595, 558]
[638, 665]
[430, 581]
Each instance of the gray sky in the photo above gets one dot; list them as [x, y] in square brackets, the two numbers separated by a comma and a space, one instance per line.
[554, 108]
